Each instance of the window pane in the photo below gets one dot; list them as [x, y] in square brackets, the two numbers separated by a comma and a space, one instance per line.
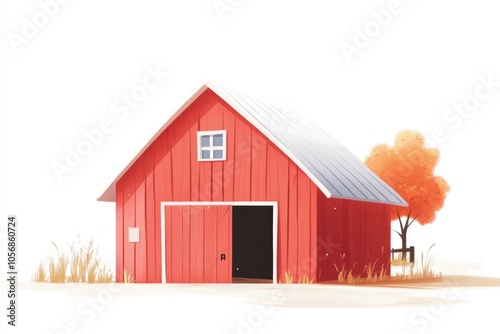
[205, 141]
[205, 154]
[217, 154]
[217, 140]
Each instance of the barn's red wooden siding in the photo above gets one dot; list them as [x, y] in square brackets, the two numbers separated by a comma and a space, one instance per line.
[255, 170]
[352, 235]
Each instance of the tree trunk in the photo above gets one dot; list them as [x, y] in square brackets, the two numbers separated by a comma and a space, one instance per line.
[403, 242]
[404, 230]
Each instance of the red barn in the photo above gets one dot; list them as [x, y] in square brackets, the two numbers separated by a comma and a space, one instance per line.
[231, 188]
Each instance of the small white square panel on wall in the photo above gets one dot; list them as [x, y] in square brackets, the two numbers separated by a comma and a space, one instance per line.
[133, 234]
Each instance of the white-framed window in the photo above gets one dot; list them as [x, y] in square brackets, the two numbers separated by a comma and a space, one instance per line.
[212, 145]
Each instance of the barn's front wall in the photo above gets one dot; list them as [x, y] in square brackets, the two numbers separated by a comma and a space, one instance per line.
[254, 170]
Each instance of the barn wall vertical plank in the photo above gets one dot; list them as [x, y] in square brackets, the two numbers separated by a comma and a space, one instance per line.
[243, 158]
[193, 116]
[129, 220]
[214, 122]
[181, 159]
[325, 231]
[313, 243]
[196, 245]
[205, 167]
[258, 166]
[303, 225]
[229, 166]
[272, 172]
[185, 223]
[385, 221]
[210, 244]
[159, 149]
[293, 221]
[321, 232]
[283, 212]
[168, 244]
[224, 267]
[273, 194]
[149, 229]
[370, 234]
[334, 215]
[363, 249]
[176, 243]
[120, 235]
[140, 222]
[352, 256]
[167, 143]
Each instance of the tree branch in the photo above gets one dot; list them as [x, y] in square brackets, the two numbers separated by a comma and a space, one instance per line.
[407, 220]
[400, 223]
[413, 219]
[398, 233]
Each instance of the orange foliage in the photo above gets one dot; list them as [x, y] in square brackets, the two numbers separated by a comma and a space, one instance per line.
[408, 167]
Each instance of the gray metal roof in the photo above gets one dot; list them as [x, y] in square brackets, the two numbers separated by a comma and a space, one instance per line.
[335, 170]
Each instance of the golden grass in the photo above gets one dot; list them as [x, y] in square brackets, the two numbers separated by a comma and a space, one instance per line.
[344, 274]
[79, 264]
[369, 274]
[398, 261]
[422, 268]
[372, 275]
[304, 279]
[127, 277]
[40, 274]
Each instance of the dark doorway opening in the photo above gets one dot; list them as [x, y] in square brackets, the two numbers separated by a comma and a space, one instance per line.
[252, 244]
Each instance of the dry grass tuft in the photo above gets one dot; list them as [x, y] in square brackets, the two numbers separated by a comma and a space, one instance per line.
[345, 275]
[370, 274]
[79, 265]
[40, 274]
[398, 261]
[127, 277]
[304, 279]
[422, 268]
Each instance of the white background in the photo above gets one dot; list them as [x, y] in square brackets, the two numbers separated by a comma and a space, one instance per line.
[64, 79]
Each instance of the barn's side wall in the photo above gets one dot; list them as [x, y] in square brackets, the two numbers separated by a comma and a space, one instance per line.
[255, 170]
[352, 235]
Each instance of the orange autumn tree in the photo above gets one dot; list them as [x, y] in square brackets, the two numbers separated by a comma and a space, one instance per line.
[408, 168]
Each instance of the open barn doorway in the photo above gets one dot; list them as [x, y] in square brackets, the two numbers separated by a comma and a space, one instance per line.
[252, 244]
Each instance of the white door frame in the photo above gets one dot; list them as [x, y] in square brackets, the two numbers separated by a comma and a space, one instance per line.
[275, 229]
